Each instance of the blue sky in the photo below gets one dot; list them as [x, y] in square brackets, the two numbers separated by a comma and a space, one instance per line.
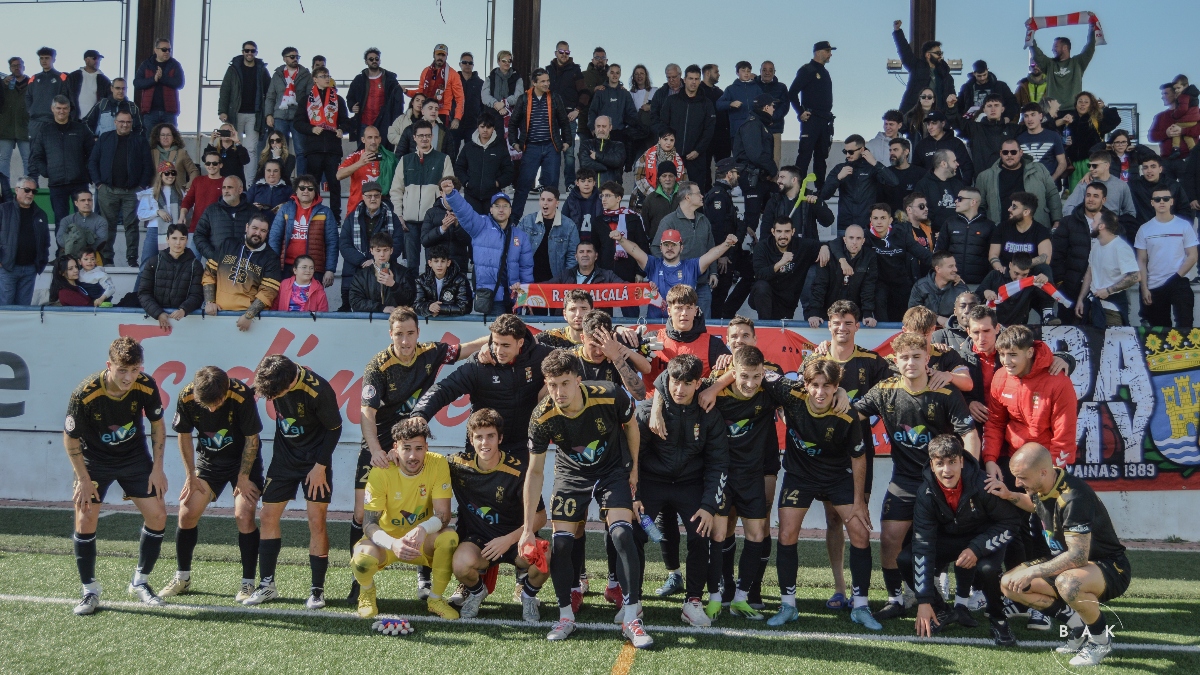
[1142, 51]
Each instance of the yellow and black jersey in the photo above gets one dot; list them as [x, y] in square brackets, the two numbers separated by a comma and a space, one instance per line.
[223, 433]
[393, 387]
[749, 421]
[559, 338]
[863, 370]
[490, 503]
[819, 445]
[604, 371]
[942, 361]
[591, 442]
[307, 421]
[111, 428]
[1072, 507]
[912, 419]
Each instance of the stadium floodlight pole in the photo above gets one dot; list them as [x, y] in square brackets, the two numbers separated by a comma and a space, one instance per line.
[205, 6]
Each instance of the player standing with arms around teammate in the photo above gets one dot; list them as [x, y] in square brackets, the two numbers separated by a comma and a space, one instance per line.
[308, 426]
[591, 426]
[106, 442]
[223, 413]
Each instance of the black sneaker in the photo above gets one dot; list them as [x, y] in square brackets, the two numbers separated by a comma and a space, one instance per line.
[962, 616]
[945, 618]
[892, 610]
[1002, 634]
[352, 597]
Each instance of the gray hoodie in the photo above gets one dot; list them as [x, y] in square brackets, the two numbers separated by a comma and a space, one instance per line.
[274, 104]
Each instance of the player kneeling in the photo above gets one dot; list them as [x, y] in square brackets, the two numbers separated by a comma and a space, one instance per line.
[956, 522]
[405, 518]
[488, 485]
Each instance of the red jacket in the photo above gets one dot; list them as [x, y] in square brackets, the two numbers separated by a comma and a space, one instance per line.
[317, 300]
[202, 193]
[1038, 407]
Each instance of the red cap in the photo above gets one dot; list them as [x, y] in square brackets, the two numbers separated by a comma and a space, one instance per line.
[672, 235]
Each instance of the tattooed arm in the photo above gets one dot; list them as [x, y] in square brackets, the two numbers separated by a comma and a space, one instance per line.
[255, 307]
[1126, 282]
[370, 522]
[1076, 556]
[631, 379]
[245, 486]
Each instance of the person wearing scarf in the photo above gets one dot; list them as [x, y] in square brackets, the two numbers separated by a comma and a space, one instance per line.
[324, 121]
[442, 83]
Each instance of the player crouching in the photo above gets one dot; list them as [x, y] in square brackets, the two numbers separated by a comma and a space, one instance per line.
[405, 503]
[488, 485]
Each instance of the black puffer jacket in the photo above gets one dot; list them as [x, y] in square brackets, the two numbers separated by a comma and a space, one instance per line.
[484, 168]
[830, 285]
[219, 222]
[1072, 242]
[697, 449]
[60, 153]
[167, 281]
[753, 146]
[858, 191]
[968, 242]
[990, 521]
[455, 297]
[456, 239]
[368, 295]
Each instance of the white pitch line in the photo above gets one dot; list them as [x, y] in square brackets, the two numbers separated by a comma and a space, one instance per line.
[603, 627]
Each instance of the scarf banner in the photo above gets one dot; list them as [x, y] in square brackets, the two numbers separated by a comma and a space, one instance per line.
[603, 295]
[1013, 287]
[1073, 19]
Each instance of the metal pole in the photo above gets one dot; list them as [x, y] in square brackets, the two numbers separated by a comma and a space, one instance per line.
[491, 38]
[127, 11]
[204, 9]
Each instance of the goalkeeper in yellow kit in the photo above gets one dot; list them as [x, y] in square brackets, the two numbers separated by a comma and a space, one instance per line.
[406, 518]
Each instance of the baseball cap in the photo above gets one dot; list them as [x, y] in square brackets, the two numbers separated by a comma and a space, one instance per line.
[165, 166]
[726, 165]
[92, 53]
[672, 235]
[764, 100]
[823, 44]
[500, 195]
[440, 48]
[371, 186]
[935, 116]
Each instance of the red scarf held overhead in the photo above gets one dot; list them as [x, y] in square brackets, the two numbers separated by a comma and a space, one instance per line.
[323, 108]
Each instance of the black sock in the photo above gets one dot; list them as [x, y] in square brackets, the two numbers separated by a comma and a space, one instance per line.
[268, 556]
[748, 564]
[477, 588]
[248, 544]
[85, 557]
[964, 578]
[764, 559]
[860, 570]
[562, 571]
[716, 559]
[425, 575]
[787, 559]
[185, 546]
[728, 561]
[149, 546]
[356, 532]
[1098, 630]
[669, 526]
[530, 589]
[579, 556]
[611, 555]
[319, 565]
[628, 574]
[891, 581]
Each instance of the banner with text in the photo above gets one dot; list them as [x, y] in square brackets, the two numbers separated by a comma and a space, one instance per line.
[603, 295]
[1139, 390]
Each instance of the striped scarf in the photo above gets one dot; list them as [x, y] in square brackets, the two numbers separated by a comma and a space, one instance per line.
[323, 108]
[1013, 287]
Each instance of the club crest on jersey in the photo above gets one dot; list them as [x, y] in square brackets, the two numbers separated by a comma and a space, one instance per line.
[931, 411]
[600, 426]
[500, 493]
[299, 410]
[422, 491]
[70, 423]
[696, 431]
[428, 368]
[829, 433]
[368, 391]
[96, 416]
[133, 406]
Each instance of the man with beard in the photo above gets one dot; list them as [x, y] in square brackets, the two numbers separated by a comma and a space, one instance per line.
[907, 174]
[894, 248]
[243, 275]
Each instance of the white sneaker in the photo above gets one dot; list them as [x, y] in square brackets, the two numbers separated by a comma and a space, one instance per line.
[1092, 653]
[176, 587]
[145, 595]
[245, 592]
[264, 592]
[529, 609]
[561, 630]
[88, 604]
[316, 600]
[471, 604]
[693, 614]
[1075, 641]
[977, 601]
[636, 633]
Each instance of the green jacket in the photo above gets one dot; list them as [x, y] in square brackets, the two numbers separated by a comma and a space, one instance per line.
[1064, 79]
[1037, 180]
[14, 118]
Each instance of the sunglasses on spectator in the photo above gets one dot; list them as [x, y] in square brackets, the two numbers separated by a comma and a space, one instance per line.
[466, 63]
[847, 151]
[305, 188]
[1160, 200]
[169, 173]
[292, 56]
[926, 98]
[961, 198]
[277, 140]
[1094, 166]
[922, 206]
[212, 164]
[27, 190]
[249, 51]
[564, 52]
[164, 49]
[372, 59]
[505, 60]
[1007, 153]
[937, 53]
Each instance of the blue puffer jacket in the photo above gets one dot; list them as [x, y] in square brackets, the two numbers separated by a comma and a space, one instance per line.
[269, 195]
[745, 92]
[281, 232]
[487, 241]
[564, 237]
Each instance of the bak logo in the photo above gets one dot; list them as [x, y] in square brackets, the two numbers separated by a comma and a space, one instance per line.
[117, 434]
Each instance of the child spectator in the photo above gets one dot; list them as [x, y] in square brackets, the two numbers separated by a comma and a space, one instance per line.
[380, 287]
[442, 290]
[298, 293]
[94, 279]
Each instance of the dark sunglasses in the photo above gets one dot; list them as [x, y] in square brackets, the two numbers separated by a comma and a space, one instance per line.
[277, 140]
[1007, 153]
[466, 63]
[1160, 200]
[1094, 166]
[249, 51]
[169, 173]
[937, 53]
[505, 60]
[372, 59]
[27, 190]
[305, 188]
[292, 56]
[922, 206]
[961, 198]
[926, 98]
[564, 52]
[850, 152]
[164, 49]
[212, 164]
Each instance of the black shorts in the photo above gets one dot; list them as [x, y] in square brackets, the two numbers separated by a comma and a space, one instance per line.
[284, 478]
[132, 473]
[1117, 574]
[800, 491]
[217, 476]
[571, 495]
[899, 503]
[362, 467]
[747, 494]
[480, 540]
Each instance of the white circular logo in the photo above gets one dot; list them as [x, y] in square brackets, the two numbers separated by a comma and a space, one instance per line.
[447, 296]
[70, 423]
[158, 411]
[368, 391]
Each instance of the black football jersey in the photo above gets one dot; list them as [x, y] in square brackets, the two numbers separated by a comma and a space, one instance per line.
[911, 420]
[490, 503]
[222, 434]
[393, 387]
[750, 422]
[559, 338]
[592, 442]
[111, 429]
[1073, 507]
[941, 361]
[603, 371]
[819, 445]
[303, 416]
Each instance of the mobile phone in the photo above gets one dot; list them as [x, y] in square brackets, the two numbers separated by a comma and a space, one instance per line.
[223, 133]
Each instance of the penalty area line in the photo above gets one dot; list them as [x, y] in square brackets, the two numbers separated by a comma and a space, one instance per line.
[601, 627]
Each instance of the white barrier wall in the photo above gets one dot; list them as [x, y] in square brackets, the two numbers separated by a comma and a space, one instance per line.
[45, 355]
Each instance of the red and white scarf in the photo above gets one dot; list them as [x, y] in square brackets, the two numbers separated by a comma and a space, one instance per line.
[616, 222]
[1013, 287]
[289, 91]
[323, 108]
[1073, 19]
